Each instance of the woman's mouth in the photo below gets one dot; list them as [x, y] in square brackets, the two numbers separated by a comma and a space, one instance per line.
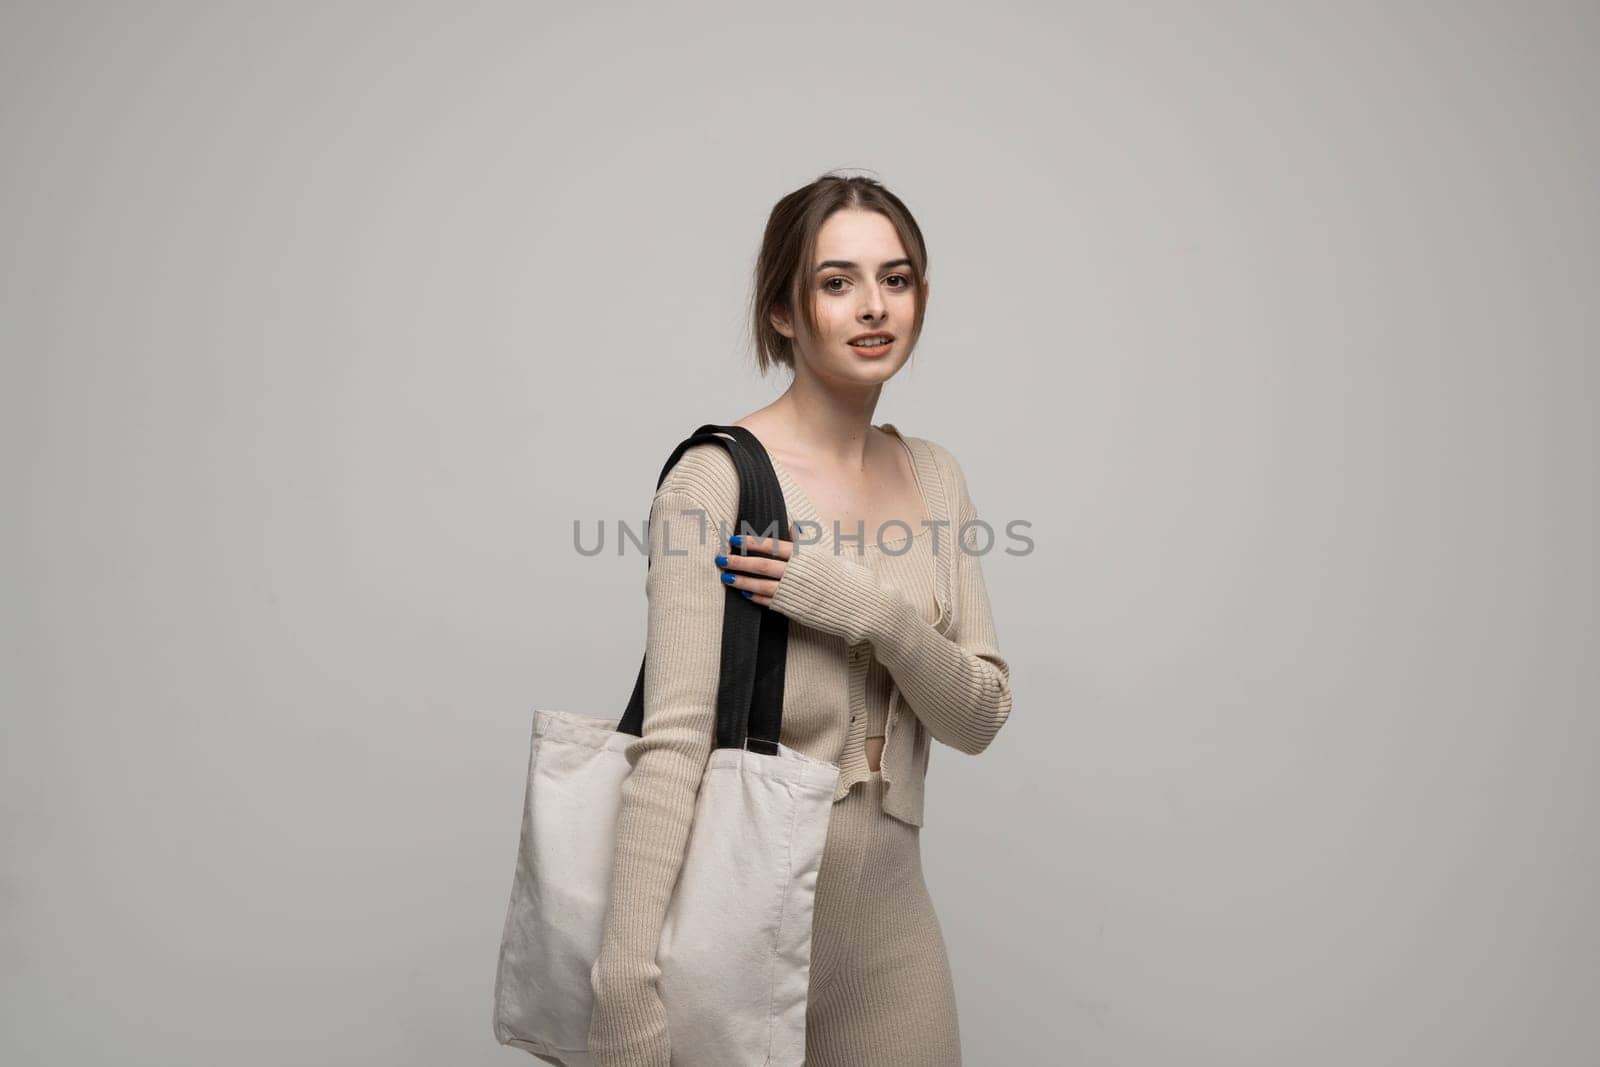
[874, 345]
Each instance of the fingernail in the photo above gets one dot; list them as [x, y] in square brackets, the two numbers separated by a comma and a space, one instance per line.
[722, 561]
[736, 539]
[728, 578]
[747, 592]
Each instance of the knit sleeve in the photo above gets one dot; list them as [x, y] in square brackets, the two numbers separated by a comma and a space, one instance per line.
[683, 657]
[958, 684]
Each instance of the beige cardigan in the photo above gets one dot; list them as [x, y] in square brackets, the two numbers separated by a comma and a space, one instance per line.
[949, 675]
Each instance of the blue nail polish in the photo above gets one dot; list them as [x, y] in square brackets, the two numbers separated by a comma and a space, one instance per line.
[722, 561]
[736, 539]
[728, 578]
[747, 593]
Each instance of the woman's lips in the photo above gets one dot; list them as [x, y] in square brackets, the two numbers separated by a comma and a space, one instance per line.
[872, 352]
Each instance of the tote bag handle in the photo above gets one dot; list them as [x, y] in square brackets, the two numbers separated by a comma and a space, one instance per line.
[755, 639]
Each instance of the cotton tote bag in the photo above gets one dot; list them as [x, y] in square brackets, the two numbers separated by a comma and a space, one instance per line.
[735, 948]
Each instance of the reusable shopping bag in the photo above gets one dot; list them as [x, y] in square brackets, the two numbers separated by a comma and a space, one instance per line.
[735, 946]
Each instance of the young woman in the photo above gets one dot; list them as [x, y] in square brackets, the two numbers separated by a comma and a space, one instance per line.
[891, 644]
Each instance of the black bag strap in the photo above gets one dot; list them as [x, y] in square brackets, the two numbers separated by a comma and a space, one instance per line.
[755, 639]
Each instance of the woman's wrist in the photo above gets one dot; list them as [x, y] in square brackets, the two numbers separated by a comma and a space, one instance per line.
[828, 592]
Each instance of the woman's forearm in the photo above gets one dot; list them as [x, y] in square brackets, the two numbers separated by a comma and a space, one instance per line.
[958, 685]
[683, 662]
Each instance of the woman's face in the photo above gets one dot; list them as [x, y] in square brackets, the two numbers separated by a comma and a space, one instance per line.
[861, 284]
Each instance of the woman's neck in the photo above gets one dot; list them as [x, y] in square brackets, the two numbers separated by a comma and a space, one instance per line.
[825, 426]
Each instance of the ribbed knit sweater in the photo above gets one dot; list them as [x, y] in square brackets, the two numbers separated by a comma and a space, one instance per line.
[878, 625]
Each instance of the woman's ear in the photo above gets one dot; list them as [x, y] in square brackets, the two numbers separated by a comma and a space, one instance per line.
[780, 322]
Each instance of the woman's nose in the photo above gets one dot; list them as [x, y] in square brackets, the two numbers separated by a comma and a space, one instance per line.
[874, 307]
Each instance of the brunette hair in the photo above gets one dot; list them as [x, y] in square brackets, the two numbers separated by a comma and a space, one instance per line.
[783, 267]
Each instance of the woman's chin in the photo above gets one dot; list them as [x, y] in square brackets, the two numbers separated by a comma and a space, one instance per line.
[863, 370]
[870, 372]
[881, 364]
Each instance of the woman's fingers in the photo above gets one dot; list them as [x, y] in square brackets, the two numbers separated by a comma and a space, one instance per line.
[754, 584]
[756, 576]
[758, 589]
[772, 546]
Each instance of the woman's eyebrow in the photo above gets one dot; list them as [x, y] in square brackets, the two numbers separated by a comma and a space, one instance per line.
[846, 264]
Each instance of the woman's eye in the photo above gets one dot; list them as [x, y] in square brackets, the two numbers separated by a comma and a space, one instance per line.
[829, 284]
[904, 281]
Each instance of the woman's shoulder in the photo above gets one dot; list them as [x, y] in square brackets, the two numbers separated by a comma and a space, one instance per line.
[705, 473]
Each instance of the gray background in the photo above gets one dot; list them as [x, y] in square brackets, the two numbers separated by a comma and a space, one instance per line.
[321, 327]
